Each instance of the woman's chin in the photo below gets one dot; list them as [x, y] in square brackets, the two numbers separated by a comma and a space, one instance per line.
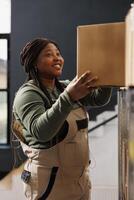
[57, 74]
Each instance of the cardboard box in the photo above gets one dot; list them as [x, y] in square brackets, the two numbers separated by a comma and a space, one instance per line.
[101, 49]
[129, 48]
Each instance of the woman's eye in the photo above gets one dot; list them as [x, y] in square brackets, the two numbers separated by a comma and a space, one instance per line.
[48, 54]
[58, 54]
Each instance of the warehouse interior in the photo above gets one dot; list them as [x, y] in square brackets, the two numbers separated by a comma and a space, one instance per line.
[22, 21]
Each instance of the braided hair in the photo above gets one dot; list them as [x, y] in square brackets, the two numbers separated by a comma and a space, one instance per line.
[28, 58]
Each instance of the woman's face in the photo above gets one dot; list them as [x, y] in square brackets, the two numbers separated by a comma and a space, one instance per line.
[50, 62]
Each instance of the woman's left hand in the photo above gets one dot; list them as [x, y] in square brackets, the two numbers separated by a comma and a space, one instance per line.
[80, 87]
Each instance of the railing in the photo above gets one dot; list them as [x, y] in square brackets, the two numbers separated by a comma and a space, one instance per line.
[103, 123]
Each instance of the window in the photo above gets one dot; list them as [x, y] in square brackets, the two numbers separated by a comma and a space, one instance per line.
[3, 63]
[5, 15]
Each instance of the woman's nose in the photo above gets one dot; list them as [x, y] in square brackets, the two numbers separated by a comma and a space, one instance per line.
[56, 57]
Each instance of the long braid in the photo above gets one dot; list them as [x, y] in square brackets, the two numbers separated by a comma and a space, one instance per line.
[59, 85]
[43, 88]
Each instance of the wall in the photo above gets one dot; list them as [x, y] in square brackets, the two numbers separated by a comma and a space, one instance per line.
[58, 20]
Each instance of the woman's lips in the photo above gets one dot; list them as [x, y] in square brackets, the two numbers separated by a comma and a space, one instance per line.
[57, 66]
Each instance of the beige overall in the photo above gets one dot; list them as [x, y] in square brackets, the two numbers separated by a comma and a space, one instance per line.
[61, 172]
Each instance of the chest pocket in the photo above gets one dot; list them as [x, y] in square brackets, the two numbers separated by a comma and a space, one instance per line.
[77, 120]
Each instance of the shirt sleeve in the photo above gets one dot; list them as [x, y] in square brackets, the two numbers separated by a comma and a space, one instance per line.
[42, 123]
[97, 97]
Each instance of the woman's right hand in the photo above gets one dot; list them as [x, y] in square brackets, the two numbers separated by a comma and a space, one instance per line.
[80, 87]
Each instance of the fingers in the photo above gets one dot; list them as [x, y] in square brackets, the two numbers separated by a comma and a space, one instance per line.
[74, 79]
[87, 80]
[80, 87]
[90, 83]
[84, 77]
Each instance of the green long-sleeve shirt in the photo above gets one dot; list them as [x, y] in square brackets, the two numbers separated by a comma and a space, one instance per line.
[40, 123]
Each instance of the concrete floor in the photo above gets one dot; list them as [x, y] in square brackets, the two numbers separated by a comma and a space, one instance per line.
[104, 158]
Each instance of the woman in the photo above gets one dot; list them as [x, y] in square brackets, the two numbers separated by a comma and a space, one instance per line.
[51, 122]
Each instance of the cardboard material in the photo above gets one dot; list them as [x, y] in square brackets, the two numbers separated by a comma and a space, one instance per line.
[129, 50]
[101, 49]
